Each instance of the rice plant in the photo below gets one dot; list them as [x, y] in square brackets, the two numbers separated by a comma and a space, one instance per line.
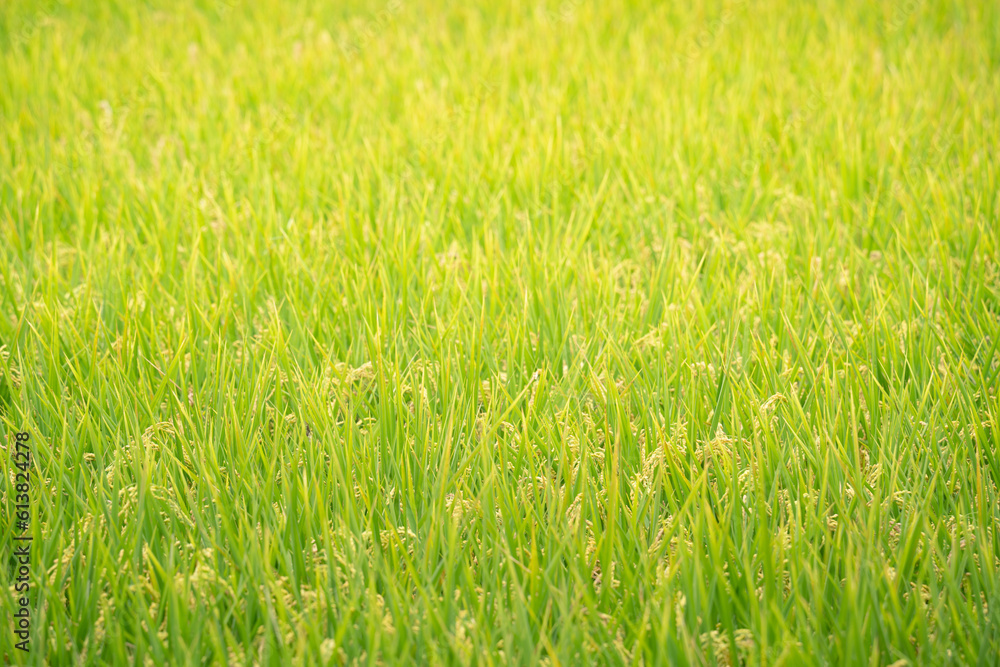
[542, 333]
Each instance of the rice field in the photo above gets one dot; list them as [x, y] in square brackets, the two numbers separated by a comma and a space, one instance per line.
[528, 333]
